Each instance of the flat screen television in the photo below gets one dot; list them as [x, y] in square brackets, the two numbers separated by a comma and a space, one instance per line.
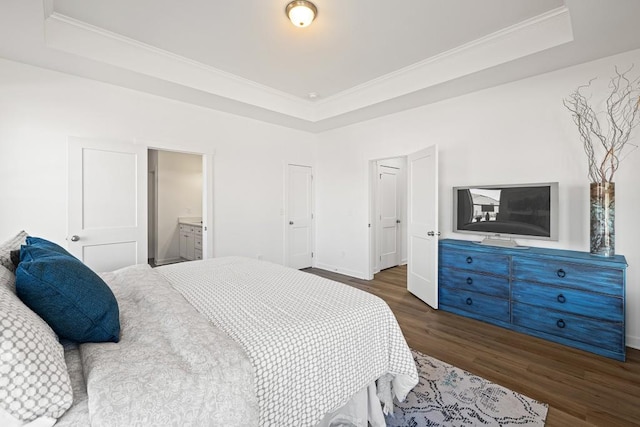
[527, 211]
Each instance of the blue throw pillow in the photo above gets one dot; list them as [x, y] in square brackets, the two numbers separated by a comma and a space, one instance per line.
[45, 244]
[68, 295]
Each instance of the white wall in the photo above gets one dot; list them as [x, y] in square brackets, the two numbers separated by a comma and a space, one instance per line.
[518, 132]
[179, 190]
[514, 133]
[40, 109]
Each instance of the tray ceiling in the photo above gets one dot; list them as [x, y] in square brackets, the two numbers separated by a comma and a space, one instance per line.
[363, 58]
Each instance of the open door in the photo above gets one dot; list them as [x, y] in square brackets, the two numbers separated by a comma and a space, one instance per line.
[107, 218]
[422, 265]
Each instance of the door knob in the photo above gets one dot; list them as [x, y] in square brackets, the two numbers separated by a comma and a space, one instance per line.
[433, 233]
[397, 221]
[75, 238]
[290, 222]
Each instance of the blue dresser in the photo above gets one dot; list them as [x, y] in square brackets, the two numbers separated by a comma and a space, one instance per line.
[570, 297]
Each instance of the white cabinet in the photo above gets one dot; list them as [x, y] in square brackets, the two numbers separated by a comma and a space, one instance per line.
[197, 243]
[190, 241]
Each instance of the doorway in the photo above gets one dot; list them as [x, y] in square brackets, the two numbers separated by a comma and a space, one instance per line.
[389, 219]
[175, 206]
[414, 180]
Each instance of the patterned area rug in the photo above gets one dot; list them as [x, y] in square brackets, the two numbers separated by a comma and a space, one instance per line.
[448, 396]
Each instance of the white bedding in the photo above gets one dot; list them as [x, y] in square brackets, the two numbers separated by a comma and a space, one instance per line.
[313, 342]
[170, 368]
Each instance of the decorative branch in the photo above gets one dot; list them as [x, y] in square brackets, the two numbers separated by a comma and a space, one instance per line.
[605, 150]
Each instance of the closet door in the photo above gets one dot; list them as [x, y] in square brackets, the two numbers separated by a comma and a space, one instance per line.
[389, 216]
[299, 234]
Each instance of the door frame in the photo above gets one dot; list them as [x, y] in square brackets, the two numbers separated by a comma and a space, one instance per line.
[374, 237]
[285, 214]
[207, 192]
[373, 207]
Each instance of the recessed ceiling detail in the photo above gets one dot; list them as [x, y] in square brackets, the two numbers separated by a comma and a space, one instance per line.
[215, 55]
[351, 42]
[525, 38]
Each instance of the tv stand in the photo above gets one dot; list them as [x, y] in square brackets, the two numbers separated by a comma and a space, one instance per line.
[567, 297]
[503, 243]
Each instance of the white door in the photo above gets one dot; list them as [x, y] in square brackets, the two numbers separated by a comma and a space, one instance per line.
[107, 223]
[422, 266]
[299, 216]
[388, 219]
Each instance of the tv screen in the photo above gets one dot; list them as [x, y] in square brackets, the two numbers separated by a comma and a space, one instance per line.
[521, 210]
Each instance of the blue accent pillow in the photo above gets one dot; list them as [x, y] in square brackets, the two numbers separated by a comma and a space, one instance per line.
[68, 295]
[45, 244]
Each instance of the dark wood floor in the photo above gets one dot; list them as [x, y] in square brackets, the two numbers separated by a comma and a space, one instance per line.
[580, 388]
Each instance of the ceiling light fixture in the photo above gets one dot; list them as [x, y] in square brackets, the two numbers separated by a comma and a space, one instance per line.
[301, 12]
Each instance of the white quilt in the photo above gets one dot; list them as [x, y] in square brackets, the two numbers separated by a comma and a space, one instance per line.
[171, 366]
[313, 342]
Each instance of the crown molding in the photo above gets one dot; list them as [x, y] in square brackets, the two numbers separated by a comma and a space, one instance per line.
[528, 37]
[80, 38]
[545, 31]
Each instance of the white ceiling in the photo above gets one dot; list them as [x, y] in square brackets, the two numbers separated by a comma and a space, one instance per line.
[350, 43]
[364, 58]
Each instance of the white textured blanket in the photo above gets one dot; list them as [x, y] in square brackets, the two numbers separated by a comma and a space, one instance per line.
[171, 366]
[313, 342]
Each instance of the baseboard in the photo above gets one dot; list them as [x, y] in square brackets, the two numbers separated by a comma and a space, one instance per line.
[633, 342]
[346, 272]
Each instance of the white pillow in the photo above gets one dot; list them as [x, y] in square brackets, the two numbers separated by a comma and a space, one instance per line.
[7, 280]
[34, 382]
[12, 244]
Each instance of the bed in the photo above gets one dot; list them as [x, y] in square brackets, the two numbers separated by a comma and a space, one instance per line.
[235, 342]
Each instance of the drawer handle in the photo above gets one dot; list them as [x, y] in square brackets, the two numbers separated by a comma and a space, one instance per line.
[561, 273]
[469, 260]
[561, 299]
[469, 301]
[469, 280]
[560, 324]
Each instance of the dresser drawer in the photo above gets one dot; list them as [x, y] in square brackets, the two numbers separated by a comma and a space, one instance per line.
[594, 332]
[472, 302]
[186, 228]
[569, 300]
[497, 286]
[574, 275]
[475, 261]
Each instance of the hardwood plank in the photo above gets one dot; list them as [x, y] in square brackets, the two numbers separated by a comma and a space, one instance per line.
[582, 389]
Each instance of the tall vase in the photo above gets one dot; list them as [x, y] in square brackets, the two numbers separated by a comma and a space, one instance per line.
[603, 209]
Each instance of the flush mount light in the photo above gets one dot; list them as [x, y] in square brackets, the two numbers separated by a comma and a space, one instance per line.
[301, 12]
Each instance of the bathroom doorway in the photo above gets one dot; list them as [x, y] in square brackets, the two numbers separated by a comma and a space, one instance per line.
[175, 207]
